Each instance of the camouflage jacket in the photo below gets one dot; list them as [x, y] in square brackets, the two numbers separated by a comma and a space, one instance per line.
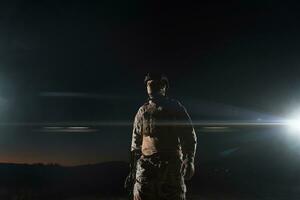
[163, 125]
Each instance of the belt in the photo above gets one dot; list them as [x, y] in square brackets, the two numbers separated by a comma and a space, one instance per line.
[164, 155]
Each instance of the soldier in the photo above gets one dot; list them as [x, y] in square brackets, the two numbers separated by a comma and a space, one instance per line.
[163, 145]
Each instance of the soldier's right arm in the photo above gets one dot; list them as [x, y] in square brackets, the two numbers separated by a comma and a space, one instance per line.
[137, 138]
[135, 152]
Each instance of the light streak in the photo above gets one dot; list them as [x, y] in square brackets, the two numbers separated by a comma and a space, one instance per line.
[208, 124]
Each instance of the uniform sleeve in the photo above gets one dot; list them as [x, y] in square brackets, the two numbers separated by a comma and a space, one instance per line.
[137, 138]
[187, 135]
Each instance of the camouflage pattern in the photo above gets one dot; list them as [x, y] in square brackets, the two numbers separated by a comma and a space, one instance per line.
[164, 134]
[158, 178]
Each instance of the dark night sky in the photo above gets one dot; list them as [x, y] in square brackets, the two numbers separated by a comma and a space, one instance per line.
[84, 61]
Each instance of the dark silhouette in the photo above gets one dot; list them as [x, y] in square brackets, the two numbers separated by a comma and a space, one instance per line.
[163, 146]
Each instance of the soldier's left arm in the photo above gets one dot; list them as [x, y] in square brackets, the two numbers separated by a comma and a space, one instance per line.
[187, 135]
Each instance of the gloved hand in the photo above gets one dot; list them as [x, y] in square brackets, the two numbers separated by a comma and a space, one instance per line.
[128, 182]
[130, 179]
[188, 169]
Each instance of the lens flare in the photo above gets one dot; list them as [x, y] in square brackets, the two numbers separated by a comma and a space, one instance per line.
[294, 125]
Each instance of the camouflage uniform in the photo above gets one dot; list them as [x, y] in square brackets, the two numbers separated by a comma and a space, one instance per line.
[164, 134]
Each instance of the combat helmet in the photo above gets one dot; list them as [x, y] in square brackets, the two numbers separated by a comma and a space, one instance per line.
[157, 76]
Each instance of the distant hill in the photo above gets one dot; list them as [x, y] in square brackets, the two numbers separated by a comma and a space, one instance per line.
[38, 181]
[254, 170]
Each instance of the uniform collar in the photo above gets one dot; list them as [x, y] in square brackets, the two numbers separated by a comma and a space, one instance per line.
[157, 99]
